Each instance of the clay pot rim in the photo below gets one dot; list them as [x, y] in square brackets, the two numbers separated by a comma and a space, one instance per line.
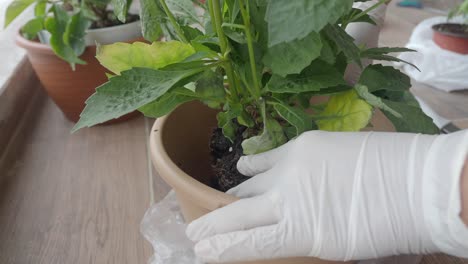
[45, 48]
[180, 181]
[437, 29]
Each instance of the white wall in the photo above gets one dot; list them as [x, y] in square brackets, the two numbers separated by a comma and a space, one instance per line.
[10, 54]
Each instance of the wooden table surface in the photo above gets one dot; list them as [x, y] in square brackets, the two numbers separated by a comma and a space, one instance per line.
[79, 198]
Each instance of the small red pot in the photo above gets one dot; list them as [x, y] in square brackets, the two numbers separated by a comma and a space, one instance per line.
[452, 37]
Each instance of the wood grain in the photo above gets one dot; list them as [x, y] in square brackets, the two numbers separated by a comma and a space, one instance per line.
[17, 95]
[74, 198]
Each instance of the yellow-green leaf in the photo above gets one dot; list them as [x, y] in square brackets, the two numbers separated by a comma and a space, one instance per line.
[15, 9]
[345, 112]
[120, 57]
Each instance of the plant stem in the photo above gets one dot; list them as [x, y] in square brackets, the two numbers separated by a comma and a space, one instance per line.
[215, 13]
[233, 26]
[173, 21]
[248, 33]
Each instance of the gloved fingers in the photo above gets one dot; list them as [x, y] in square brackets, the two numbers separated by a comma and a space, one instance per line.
[255, 164]
[255, 186]
[242, 215]
[258, 243]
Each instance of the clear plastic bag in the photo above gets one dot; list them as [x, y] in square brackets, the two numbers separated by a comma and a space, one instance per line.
[164, 227]
[439, 68]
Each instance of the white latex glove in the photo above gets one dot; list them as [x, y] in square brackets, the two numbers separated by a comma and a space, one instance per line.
[342, 196]
[365, 34]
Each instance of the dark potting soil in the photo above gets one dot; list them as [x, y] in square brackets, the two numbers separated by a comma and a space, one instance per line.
[108, 19]
[452, 29]
[225, 155]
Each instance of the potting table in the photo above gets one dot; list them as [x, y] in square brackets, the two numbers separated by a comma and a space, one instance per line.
[79, 198]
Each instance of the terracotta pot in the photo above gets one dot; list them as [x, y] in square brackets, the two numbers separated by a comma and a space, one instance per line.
[456, 42]
[181, 155]
[69, 89]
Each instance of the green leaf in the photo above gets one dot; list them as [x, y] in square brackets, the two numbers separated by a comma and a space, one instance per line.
[344, 42]
[381, 54]
[384, 50]
[319, 75]
[34, 26]
[210, 88]
[298, 118]
[40, 8]
[15, 9]
[227, 125]
[327, 53]
[271, 137]
[75, 32]
[292, 57]
[191, 33]
[291, 20]
[357, 12]
[184, 11]
[56, 26]
[345, 112]
[378, 77]
[166, 103]
[413, 119]
[119, 57]
[152, 16]
[120, 9]
[128, 92]
[373, 100]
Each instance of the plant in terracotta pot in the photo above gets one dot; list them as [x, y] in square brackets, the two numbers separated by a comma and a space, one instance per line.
[453, 36]
[257, 69]
[68, 31]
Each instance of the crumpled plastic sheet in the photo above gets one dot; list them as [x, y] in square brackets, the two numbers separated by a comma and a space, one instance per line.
[164, 227]
[439, 68]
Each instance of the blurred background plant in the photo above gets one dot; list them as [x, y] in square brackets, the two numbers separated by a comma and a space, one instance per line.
[67, 21]
[461, 10]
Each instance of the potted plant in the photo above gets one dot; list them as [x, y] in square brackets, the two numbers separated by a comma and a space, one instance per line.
[68, 31]
[256, 69]
[453, 36]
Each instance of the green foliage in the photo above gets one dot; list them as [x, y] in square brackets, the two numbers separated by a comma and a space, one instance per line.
[301, 121]
[121, 9]
[67, 22]
[15, 9]
[152, 17]
[319, 75]
[293, 20]
[32, 27]
[388, 89]
[293, 57]
[259, 63]
[345, 112]
[129, 91]
[460, 10]
[120, 57]
[271, 137]
[57, 26]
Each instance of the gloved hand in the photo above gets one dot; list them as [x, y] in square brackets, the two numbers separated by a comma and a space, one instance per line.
[342, 196]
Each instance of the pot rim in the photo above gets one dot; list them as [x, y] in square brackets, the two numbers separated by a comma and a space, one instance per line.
[445, 33]
[180, 181]
[44, 48]
[99, 30]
